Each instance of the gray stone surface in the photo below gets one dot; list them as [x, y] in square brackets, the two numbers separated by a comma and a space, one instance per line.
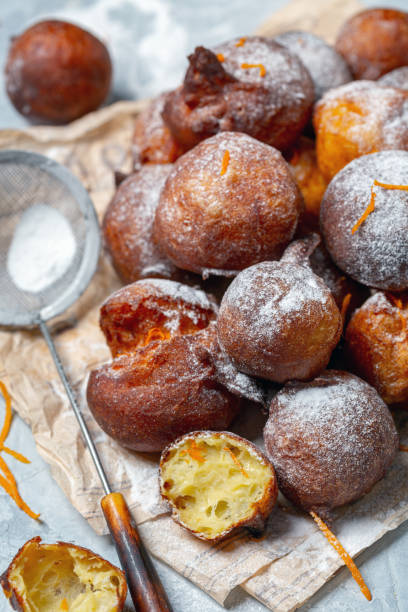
[149, 40]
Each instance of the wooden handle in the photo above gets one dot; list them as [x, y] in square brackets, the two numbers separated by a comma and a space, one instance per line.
[144, 584]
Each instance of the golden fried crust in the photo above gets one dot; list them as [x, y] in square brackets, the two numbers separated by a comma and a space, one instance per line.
[153, 142]
[257, 87]
[153, 309]
[228, 203]
[279, 321]
[187, 484]
[311, 182]
[330, 440]
[377, 348]
[65, 571]
[371, 248]
[147, 399]
[374, 42]
[169, 374]
[356, 119]
[127, 226]
[57, 72]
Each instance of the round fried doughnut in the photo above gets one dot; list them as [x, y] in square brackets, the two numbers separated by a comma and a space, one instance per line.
[374, 42]
[377, 346]
[311, 182]
[279, 321]
[148, 398]
[169, 376]
[153, 309]
[163, 381]
[57, 72]
[356, 119]
[128, 224]
[371, 247]
[330, 440]
[396, 78]
[228, 203]
[153, 142]
[252, 85]
[326, 67]
[216, 484]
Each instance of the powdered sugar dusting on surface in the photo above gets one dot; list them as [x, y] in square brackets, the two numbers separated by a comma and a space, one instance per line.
[327, 68]
[379, 115]
[151, 122]
[284, 74]
[132, 212]
[271, 293]
[396, 78]
[338, 428]
[237, 382]
[181, 292]
[377, 253]
[209, 212]
[379, 303]
[174, 301]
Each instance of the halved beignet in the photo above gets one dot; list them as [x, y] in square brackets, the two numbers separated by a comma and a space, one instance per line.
[216, 483]
[62, 576]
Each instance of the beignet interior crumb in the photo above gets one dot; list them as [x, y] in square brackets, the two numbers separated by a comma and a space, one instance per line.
[52, 577]
[214, 483]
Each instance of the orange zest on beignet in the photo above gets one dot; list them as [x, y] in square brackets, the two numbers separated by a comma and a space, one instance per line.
[225, 162]
[236, 461]
[241, 42]
[371, 205]
[262, 70]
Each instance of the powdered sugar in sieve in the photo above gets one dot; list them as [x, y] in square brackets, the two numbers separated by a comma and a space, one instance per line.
[42, 248]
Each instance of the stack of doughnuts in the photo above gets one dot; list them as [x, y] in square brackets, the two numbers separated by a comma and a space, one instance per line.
[281, 167]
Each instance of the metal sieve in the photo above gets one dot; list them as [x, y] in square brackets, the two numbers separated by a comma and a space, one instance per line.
[32, 182]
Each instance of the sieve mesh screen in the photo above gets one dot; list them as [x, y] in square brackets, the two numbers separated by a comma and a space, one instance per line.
[26, 181]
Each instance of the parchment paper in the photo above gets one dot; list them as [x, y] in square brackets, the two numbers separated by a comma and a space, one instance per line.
[293, 559]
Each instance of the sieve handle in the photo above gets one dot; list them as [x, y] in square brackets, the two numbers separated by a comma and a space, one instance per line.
[144, 584]
[75, 407]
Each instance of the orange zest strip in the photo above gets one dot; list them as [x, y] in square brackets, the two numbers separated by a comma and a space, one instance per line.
[344, 305]
[403, 448]
[397, 301]
[8, 481]
[329, 535]
[15, 454]
[225, 162]
[10, 486]
[390, 186]
[262, 70]
[64, 605]
[195, 452]
[155, 334]
[220, 57]
[241, 42]
[236, 461]
[403, 322]
[7, 420]
[370, 208]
